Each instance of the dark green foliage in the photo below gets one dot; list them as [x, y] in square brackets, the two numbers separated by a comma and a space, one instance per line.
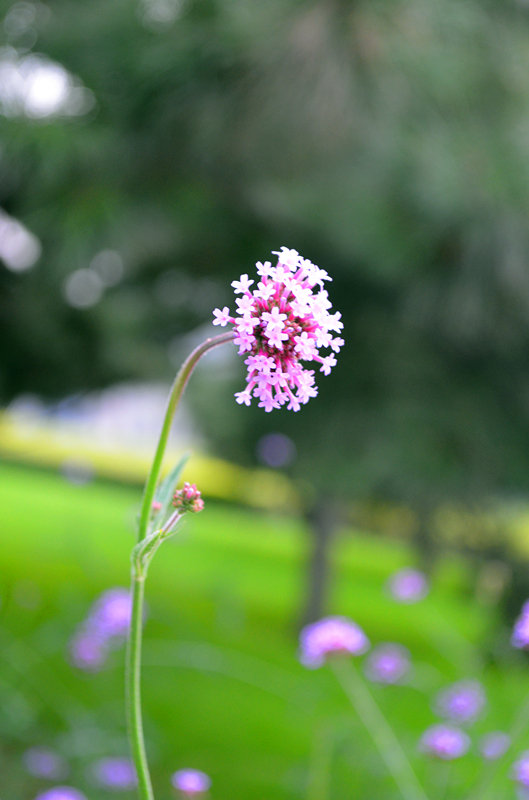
[385, 141]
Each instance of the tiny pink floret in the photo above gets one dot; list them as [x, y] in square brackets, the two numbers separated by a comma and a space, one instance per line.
[283, 321]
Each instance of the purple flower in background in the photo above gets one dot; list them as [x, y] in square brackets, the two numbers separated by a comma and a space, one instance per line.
[191, 782]
[462, 702]
[61, 793]
[521, 769]
[494, 745]
[444, 742]
[105, 627]
[331, 635]
[42, 762]
[115, 773]
[280, 323]
[388, 663]
[520, 634]
[110, 615]
[87, 651]
[408, 585]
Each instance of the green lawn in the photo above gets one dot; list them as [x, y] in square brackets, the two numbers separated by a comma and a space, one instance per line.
[223, 689]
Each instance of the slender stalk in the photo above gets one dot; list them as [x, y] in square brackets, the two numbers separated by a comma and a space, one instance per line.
[133, 664]
[318, 787]
[134, 716]
[177, 390]
[379, 729]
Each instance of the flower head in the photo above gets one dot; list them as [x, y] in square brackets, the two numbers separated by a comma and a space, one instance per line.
[188, 498]
[521, 769]
[331, 635]
[494, 745]
[116, 774]
[110, 615]
[191, 782]
[61, 793]
[444, 742]
[520, 634]
[462, 702]
[42, 762]
[388, 663]
[281, 322]
[88, 651]
[408, 585]
[105, 627]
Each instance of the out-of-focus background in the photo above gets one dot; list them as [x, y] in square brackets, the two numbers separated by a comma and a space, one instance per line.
[150, 152]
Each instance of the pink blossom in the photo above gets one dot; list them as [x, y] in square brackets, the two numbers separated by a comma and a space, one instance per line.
[331, 635]
[445, 742]
[191, 782]
[283, 322]
[408, 585]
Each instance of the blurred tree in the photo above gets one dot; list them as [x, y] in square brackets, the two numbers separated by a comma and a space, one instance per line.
[386, 141]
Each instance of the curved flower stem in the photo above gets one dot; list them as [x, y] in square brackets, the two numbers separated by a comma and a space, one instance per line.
[382, 734]
[139, 571]
[177, 390]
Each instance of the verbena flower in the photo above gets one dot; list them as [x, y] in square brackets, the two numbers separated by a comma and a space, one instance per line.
[521, 769]
[408, 585]
[191, 782]
[61, 793]
[330, 635]
[283, 321]
[462, 702]
[42, 762]
[520, 634]
[388, 663]
[116, 774]
[87, 650]
[494, 745]
[444, 742]
[105, 627]
[110, 615]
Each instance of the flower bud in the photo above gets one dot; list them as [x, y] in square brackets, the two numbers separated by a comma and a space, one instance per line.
[188, 498]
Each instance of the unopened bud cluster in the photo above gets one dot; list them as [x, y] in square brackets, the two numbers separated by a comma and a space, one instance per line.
[188, 498]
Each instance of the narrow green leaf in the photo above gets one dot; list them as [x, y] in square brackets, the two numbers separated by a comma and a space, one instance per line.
[165, 491]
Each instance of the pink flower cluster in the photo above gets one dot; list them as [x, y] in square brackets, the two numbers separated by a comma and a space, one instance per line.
[330, 635]
[104, 629]
[191, 782]
[188, 498]
[445, 742]
[283, 321]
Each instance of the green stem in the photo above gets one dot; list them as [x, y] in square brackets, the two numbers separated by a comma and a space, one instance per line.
[134, 689]
[318, 788]
[177, 390]
[379, 729]
[133, 664]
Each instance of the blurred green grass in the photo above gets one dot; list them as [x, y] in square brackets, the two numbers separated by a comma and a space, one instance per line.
[223, 690]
